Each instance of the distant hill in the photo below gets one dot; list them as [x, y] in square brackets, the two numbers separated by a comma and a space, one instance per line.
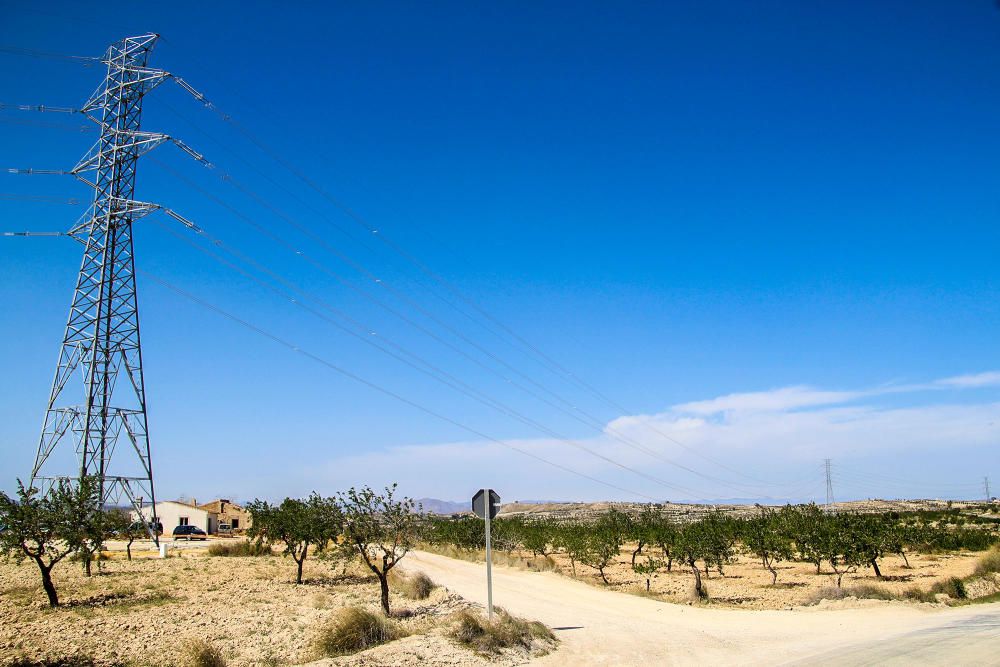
[435, 506]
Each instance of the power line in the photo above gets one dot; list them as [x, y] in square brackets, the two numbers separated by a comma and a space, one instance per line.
[448, 380]
[568, 407]
[35, 53]
[357, 378]
[494, 323]
[305, 256]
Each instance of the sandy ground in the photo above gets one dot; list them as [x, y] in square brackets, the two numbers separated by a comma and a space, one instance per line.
[747, 584]
[602, 627]
[141, 612]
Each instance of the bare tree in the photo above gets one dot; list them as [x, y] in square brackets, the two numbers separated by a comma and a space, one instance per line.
[381, 529]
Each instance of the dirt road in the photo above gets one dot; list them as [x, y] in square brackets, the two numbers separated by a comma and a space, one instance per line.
[600, 627]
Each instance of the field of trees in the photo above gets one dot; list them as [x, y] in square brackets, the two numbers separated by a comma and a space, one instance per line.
[652, 542]
[235, 601]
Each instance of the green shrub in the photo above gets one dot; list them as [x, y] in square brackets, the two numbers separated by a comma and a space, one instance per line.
[241, 548]
[988, 564]
[953, 586]
[202, 654]
[472, 630]
[354, 629]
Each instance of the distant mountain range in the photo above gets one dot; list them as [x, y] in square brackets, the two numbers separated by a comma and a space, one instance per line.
[435, 506]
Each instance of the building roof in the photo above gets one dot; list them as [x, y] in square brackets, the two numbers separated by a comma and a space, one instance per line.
[216, 505]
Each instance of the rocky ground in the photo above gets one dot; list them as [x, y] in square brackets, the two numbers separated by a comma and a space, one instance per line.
[147, 611]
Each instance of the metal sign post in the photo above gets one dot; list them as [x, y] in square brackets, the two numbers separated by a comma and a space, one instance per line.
[488, 511]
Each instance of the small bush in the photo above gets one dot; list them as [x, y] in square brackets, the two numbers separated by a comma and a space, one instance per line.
[416, 587]
[202, 654]
[241, 548]
[354, 629]
[862, 591]
[954, 587]
[988, 564]
[472, 630]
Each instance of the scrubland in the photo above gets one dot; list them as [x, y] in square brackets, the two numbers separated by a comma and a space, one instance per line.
[195, 609]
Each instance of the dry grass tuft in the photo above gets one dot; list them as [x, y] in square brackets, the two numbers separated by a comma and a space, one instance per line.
[241, 548]
[862, 591]
[472, 630]
[202, 654]
[416, 586]
[988, 564]
[354, 629]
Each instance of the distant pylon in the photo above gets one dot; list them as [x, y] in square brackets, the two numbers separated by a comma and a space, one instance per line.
[986, 488]
[829, 485]
[102, 332]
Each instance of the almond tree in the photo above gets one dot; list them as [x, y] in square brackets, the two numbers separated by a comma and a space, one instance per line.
[47, 528]
[296, 524]
[691, 546]
[121, 526]
[602, 544]
[381, 529]
[766, 537]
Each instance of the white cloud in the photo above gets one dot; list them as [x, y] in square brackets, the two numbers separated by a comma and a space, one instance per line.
[988, 379]
[780, 434]
[786, 398]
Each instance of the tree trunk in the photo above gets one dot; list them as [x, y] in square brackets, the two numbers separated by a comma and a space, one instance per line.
[636, 553]
[647, 584]
[697, 580]
[300, 562]
[905, 559]
[50, 589]
[128, 549]
[86, 562]
[878, 572]
[601, 570]
[774, 575]
[670, 563]
[573, 563]
[817, 567]
[383, 581]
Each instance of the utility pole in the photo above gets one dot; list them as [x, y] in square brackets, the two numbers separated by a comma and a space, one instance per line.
[829, 485]
[101, 344]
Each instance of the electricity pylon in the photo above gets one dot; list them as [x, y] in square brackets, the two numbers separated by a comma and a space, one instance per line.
[827, 464]
[102, 341]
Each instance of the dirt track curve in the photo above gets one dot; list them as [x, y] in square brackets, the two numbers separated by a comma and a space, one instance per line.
[600, 627]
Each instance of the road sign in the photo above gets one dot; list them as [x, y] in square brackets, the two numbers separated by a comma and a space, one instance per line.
[479, 503]
[488, 512]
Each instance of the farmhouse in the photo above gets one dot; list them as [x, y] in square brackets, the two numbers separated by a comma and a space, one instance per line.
[173, 513]
[207, 516]
[229, 514]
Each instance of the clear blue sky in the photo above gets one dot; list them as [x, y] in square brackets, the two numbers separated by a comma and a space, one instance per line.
[792, 205]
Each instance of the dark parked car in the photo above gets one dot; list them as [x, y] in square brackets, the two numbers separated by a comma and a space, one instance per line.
[189, 533]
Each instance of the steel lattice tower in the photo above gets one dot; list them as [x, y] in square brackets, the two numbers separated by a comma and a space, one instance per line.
[102, 333]
[827, 465]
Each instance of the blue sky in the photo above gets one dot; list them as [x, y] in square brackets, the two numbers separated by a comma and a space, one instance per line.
[767, 231]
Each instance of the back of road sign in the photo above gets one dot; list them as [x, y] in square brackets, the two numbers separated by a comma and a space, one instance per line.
[479, 503]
